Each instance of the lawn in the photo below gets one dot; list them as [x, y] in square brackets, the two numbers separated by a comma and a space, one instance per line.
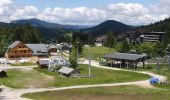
[44, 78]
[26, 79]
[103, 93]
[162, 70]
[97, 51]
[101, 76]
[23, 64]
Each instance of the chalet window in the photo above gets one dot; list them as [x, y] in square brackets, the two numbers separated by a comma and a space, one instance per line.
[25, 51]
[15, 51]
[38, 51]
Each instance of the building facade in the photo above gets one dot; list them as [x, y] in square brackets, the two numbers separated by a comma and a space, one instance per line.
[152, 37]
[20, 50]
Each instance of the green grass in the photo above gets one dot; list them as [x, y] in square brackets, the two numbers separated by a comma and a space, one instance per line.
[163, 70]
[23, 64]
[97, 51]
[44, 78]
[25, 79]
[101, 76]
[103, 93]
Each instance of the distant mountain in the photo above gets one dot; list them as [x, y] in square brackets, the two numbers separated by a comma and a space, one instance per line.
[107, 26]
[40, 23]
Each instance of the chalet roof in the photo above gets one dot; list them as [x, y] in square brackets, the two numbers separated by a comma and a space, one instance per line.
[66, 70]
[124, 56]
[38, 48]
[52, 46]
[14, 44]
[43, 62]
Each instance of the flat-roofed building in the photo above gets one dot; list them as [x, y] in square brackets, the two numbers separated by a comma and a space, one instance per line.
[152, 37]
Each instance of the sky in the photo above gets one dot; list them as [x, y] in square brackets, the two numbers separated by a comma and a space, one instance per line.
[86, 12]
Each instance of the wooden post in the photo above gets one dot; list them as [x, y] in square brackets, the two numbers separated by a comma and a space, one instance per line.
[127, 65]
[120, 64]
[111, 62]
[143, 64]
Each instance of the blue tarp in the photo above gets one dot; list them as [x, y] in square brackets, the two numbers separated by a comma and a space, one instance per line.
[154, 80]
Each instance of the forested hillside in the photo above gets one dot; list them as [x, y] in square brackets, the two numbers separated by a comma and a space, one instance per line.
[107, 26]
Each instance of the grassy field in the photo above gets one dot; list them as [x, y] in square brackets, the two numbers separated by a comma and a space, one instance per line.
[44, 78]
[23, 64]
[103, 93]
[101, 76]
[97, 51]
[162, 70]
[26, 79]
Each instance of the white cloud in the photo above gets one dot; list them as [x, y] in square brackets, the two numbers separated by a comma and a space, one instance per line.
[129, 13]
[5, 2]
[24, 13]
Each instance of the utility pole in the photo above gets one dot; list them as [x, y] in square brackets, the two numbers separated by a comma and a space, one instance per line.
[89, 63]
[77, 52]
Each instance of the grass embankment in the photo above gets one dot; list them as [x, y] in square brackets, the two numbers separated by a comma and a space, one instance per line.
[101, 76]
[97, 51]
[41, 78]
[103, 93]
[25, 79]
[161, 70]
[23, 64]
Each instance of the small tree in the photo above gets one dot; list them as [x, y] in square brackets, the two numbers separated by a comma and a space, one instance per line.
[125, 47]
[111, 41]
[77, 49]
[73, 58]
[3, 47]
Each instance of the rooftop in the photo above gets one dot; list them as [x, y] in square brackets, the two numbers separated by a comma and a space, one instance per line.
[66, 70]
[124, 56]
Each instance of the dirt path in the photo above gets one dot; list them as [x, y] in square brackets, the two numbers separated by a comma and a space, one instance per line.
[15, 94]
[96, 64]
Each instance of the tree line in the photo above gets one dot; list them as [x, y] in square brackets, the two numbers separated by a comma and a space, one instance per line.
[25, 33]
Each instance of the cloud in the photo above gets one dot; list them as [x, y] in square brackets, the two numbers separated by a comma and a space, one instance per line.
[24, 13]
[129, 13]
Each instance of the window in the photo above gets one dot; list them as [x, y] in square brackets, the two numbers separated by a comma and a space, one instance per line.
[38, 51]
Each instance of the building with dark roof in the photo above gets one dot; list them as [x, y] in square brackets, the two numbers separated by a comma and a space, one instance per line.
[39, 50]
[124, 59]
[43, 63]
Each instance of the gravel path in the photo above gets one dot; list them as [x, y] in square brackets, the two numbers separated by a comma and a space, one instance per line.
[15, 94]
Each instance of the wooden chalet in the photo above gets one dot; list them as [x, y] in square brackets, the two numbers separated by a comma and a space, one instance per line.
[52, 49]
[20, 50]
[17, 50]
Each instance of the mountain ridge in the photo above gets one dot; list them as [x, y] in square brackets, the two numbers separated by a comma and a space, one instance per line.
[40, 23]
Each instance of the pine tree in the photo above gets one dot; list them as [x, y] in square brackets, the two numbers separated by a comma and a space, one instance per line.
[125, 47]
